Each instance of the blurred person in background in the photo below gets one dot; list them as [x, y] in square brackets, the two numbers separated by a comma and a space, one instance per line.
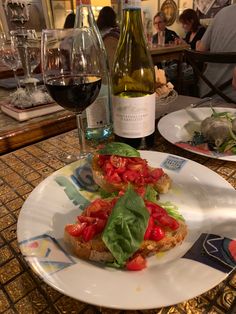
[192, 27]
[70, 20]
[220, 36]
[234, 79]
[106, 21]
[110, 32]
[159, 22]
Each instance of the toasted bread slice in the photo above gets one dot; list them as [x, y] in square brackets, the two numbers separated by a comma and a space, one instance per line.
[161, 186]
[95, 249]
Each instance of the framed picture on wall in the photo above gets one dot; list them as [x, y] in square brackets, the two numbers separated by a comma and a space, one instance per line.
[36, 12]
[207, 9]
[185, 4]
[170, 8]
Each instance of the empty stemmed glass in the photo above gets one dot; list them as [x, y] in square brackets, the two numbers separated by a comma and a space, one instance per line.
[72, 71]
[9, 55]
[28, 44]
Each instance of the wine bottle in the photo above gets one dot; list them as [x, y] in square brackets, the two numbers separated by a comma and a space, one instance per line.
[133, 82]
[98, 114]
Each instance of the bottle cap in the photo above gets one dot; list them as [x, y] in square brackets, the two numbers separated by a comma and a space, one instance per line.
[132, 4]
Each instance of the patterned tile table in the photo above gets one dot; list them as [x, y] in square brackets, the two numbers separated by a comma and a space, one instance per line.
[21, 290]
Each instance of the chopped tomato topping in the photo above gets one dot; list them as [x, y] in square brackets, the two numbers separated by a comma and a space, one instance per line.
[129, 176]
[88, 233]
[108, 168]
[76, 230]
[136, 263]
[157, 173]
[155, 209]
[169, 222]
[100, 225]
[87, 219]
[150, 226]
[157, 233]
[141, 191]
[117, 169]
[117, 161]
[114, 178]
[159, 218]
[96, 206]
[93, 220]
[101, 160]
[232, 248]
[135, 167]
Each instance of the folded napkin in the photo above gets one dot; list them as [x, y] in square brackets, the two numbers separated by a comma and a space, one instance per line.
[10, 83]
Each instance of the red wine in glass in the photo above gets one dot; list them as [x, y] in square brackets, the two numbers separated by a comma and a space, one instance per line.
[74, 93]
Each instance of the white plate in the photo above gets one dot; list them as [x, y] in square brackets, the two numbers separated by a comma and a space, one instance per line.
[171, 127]
[205, 199]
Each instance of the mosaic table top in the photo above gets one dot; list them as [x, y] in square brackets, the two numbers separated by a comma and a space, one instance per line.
[24, 292]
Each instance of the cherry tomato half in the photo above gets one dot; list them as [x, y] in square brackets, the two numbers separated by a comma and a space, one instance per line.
[136, 263]
[76, 230]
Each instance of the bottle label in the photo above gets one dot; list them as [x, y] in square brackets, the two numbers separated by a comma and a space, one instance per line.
[134, 117]
[81, 2]
[97, 113]
[132, 4]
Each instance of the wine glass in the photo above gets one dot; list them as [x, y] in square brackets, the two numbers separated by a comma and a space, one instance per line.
[9, 55]
[28, 45]
[72, 68]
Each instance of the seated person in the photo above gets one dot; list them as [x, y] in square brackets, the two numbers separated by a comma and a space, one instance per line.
[234, 79]
[106, 21]
[191, 25]
[220, 36]
[110, 32]
[70, 20]
[159, 22]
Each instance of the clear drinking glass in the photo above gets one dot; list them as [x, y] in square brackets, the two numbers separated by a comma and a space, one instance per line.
[9, 55]
[161, 38]
[72, 71]
[28, 45]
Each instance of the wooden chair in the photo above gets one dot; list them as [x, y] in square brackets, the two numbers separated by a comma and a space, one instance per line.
[111, 41]
[197, 59]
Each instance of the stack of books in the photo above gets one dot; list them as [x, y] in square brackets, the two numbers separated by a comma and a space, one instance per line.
[29, 113]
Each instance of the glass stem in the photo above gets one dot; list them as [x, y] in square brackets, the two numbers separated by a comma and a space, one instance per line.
[81, 131]
[16, 78]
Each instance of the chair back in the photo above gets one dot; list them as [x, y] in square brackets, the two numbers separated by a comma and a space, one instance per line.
[196, 59]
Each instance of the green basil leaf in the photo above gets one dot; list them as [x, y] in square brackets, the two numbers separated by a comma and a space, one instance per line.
[119, 149]
[104, 194]
[126, 226]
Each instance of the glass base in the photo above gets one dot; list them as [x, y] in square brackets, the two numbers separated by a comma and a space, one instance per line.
[72, 158]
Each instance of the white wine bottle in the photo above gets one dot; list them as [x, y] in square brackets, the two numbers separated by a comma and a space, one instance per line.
[133, 82]
[98, 114]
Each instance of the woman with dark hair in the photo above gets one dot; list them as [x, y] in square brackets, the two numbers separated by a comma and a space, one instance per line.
[106, 20]
[109, 30]
[192, 26]
[70, 20]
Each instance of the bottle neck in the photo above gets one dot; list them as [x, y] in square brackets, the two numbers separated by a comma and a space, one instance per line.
[132, 21]
[84, 14]
[83, 2]
[132, 4]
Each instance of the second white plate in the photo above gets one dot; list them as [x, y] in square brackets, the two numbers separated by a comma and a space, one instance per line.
[172, 128]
